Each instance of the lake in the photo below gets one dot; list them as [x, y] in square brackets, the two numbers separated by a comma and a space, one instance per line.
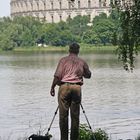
[111, 98]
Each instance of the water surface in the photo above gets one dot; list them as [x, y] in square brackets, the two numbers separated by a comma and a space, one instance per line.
[110, 98]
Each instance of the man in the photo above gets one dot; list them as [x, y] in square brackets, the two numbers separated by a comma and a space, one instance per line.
[69, 76]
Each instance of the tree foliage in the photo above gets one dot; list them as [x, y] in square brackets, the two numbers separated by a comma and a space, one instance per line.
[129, 37]
[121, 28]
[104, 29]
[28, 31]
[78, 25]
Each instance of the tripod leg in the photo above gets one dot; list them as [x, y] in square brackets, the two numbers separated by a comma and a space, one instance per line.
[52, 121]
[93, 136]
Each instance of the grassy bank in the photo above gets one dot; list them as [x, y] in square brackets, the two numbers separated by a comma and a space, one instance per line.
[35, 48]
[83, 49]
[96, 49]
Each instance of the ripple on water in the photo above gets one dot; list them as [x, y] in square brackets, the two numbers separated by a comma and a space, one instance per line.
[110, 98]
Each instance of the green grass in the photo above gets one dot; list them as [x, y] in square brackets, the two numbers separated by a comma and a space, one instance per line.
[83, 49]
[96, 49]
[35, 48]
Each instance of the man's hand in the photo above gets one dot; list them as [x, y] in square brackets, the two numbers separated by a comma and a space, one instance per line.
[54, 83]
[52, 92]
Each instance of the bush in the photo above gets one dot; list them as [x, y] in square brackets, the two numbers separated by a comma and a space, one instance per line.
[86, 134]
[6, 45]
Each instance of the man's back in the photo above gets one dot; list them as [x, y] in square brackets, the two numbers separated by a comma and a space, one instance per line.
[71, 69]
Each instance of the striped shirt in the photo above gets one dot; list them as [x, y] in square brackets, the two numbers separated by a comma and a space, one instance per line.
[72, 69]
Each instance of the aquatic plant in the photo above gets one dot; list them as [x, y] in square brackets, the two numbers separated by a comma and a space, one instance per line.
[85, 133]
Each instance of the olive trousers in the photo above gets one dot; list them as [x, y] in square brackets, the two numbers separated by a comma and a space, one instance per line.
[69, 98]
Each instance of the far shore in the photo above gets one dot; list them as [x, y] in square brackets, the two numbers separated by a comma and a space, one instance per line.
[83, 49]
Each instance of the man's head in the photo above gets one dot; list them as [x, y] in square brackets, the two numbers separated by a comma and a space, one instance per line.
[74, 48]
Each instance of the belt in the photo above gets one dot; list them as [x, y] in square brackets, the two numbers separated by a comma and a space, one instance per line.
[67, 83]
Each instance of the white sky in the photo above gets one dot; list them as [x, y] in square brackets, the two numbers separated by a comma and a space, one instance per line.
[4, 8]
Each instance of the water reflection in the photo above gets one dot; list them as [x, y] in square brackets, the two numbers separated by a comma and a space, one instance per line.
[110, 97]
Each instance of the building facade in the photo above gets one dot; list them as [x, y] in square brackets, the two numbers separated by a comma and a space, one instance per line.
[57, 10]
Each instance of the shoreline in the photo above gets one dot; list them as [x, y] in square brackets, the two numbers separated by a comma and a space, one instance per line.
[83, 49]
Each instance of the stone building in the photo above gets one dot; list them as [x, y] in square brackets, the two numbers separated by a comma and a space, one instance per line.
[57, 10]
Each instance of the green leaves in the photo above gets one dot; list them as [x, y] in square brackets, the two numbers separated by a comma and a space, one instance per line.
[21, 31]
[27, 31]
[129, 39]
[86, 134]
[105, 29]
[6, 44]
[121, 27]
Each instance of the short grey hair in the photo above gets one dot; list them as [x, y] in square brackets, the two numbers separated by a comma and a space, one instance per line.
[74, 48]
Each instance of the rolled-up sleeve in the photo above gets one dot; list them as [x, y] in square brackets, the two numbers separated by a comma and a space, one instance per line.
[58, 72]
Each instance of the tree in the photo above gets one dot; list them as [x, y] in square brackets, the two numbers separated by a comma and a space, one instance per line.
[57, 34]
[103, 28]
[5, 43]
[115, 18]
[78, 25]
[21, 31]
[129, 39]
[90, 37]
[7, 33]
[29, 30]
[64, 38]
[101, 16]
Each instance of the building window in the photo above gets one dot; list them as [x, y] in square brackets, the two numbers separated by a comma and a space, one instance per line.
[60, 18]
[52, 19]
[89, 4]
[37, 6]
[44, 18]
[69, 5]
[89, 16]
[60, 4]
[18, 4]
[111, 2]
[78, 3]
[104, 3]
[26, 4]
[69, 18]
[21, 4]
[22, 8]
[44, 6]
[52, 5]
[31, 6]
[100, 3]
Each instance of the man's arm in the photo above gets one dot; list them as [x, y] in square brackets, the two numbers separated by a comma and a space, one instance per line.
[55, 82]
[87, 72]
[57, 77]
